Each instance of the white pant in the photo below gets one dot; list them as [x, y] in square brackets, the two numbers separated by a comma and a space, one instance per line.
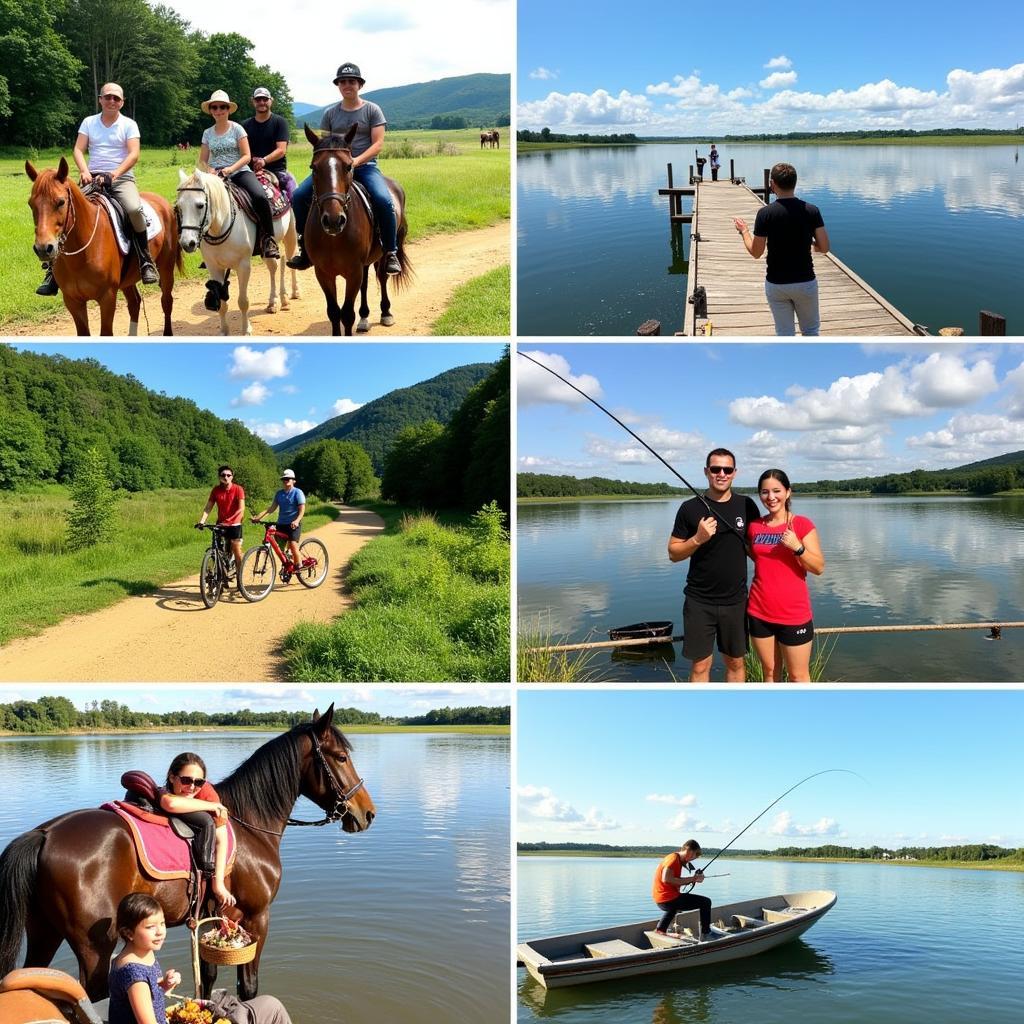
[801, 299]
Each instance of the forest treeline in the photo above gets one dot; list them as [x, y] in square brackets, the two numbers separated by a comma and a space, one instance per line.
[547, 135]
[53, 410]
[58, 714]
[547, 485]
[975, 479]
[56, 54]
[463, 464]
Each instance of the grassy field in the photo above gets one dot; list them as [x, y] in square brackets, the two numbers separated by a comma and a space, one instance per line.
[432, 604]
[481, 307]
[450, 183]
[41, 582]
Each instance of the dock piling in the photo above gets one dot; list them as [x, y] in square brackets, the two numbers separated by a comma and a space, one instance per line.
[992, 325]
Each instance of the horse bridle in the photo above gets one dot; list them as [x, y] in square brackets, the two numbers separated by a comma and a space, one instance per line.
[69, 227]
[341, 796]
[201, 227]
[343, 197]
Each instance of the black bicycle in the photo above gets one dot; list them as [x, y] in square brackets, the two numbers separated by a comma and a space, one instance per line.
[218, 570]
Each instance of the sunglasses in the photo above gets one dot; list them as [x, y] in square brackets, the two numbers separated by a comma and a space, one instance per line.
[111, 96]
[262, 99]
[218, 106]
[727, 470]
[226, 476]
[187, 780]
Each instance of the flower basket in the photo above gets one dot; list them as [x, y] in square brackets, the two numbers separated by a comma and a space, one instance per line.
[228, 945]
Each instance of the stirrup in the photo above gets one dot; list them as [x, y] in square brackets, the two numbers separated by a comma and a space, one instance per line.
[300, 261]
[269, 250]
[392, 264]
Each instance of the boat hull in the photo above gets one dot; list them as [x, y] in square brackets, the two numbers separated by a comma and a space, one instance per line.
[564, 960]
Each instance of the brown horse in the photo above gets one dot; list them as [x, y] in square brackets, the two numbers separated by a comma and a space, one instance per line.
[490, 139]
[76, 237]
[341, 239]
[65, 878]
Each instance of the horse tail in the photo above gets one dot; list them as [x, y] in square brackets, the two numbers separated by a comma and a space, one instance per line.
[402, 280]
[19, 864]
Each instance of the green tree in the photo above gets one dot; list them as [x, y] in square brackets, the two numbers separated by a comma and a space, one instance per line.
[360, 480]
[24, 454]
[93, 509]
[410, 469]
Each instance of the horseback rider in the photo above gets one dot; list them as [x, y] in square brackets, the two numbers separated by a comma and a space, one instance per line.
[113, 142]
[268, 139]
[369, 139]
[225, 150]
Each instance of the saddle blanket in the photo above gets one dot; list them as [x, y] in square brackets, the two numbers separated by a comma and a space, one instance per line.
[162, 854]
[280, 204]
[153, 223]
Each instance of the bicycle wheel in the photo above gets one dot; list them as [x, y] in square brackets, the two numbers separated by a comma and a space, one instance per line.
[257, 574]
[211, 583]
[315, 573]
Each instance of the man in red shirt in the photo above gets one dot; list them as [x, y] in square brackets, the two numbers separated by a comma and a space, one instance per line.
[230, 501]
[672, 875]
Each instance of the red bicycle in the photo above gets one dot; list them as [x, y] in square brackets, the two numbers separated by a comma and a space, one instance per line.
[259, 569]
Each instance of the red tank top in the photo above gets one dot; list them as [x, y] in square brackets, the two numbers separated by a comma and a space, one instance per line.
[779, 591]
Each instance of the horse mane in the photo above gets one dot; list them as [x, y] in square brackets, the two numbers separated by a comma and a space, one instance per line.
[265, 785]
[220, 204]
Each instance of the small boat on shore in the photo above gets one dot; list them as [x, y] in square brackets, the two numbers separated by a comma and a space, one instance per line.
[737, 930]
[659, 629]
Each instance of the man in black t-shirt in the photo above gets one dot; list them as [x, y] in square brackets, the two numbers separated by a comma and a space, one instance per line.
[711, 532]
[788, 228]
[268, 139]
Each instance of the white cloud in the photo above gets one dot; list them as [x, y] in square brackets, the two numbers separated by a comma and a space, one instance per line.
[779, 62]
[578, 111]
[682, 801]
[682, 820]
[944, 380]
[280, 431]
[539, 804]
[538, 387]
[778, 79]
[249, 364]
[973, 436]
[344, 405]
[672, 445]
[543, 74]
[1015, 383]
[785, 826]
[255, 394]
[872, 96]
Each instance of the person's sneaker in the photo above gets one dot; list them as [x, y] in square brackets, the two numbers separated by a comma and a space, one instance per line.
[49, 286]
[300, 261]
[149, 274]
[392, 265]
[660, 931]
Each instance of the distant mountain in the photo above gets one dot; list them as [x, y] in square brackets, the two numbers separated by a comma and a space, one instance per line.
[1009, 459]
[376, 424]
[481, 99]
[298, 109]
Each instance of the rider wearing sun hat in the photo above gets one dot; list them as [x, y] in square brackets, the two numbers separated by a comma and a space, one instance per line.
[226, 151]
[371, 125]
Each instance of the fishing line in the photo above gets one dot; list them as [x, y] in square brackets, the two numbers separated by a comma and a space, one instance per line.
[636, 436]
[773, 803]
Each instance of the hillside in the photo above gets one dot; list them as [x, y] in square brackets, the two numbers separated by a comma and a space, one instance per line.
[376, 424]
[1009, 459]
[481, 99]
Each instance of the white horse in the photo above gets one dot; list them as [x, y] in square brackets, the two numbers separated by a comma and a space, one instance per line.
[209, 219]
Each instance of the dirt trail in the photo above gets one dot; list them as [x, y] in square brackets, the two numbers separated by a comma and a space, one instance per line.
[170, 636]
[440, 263]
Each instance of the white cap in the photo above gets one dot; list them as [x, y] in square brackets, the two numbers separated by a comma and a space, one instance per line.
[287, 475]
[262, 91]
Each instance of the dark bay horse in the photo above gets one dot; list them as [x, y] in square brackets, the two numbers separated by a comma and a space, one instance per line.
[65, 878]
[77, 238]
[341, 239]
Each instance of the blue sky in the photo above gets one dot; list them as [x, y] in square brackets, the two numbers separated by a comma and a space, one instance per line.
[386, 700]
[660, 68]
[639, 766]
[819, 411]
[279, 390]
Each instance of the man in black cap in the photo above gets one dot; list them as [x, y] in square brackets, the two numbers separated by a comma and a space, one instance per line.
[370, 127]
[268, 139]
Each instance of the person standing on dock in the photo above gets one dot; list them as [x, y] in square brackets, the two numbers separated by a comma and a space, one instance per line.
[715, 162]
[788, 228]
[673, 873]
[710, 531]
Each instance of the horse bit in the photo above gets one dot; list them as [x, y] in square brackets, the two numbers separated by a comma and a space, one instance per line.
[201, 227]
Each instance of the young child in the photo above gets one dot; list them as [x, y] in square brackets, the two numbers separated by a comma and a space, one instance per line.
[137, 985]
[190, 797]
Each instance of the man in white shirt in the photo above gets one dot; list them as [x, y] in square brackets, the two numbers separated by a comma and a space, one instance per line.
[113, 143]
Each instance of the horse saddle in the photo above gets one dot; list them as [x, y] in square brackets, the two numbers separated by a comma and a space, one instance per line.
[280, 204]
[42, 995]
[123, 230]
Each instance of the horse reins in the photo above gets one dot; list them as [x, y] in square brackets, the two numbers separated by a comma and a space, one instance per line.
[66, 230]
[341, 796]
[343, 197]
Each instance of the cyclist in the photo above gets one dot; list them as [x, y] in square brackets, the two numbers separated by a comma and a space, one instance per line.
[290, 503]
[230, 501]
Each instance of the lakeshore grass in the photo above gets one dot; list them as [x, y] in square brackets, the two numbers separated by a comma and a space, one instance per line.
[42, 581]
[348, 729]
[432, 604]
[450, 183]
[480, 307]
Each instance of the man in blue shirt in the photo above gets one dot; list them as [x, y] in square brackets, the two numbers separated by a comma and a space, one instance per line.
[291, 505]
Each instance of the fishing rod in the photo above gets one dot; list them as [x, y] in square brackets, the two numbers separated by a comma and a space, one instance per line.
[771, 805]
[637, 437]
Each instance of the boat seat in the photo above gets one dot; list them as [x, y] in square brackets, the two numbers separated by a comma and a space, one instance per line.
[775, 916]
[742, 921]
[612, 947]
[669, 941]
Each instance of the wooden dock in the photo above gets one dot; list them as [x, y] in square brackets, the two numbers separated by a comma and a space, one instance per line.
[733, 282]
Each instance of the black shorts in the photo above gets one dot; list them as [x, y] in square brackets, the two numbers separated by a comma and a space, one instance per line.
[704, 624]
[286, 528]
[231, 533]
[788, 636]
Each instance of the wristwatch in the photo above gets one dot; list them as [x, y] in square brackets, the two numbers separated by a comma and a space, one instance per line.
[800, 551]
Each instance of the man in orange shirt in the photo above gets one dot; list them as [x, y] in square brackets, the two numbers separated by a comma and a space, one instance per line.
[669, 880]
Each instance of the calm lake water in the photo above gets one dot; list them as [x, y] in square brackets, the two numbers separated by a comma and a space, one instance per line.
[407, 922]
[909, 944]
[936, 229]
[585, 567]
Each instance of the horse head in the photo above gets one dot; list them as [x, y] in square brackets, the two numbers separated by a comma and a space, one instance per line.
[52, 208]
[202, 207]
[329, 778]
[332, 168]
